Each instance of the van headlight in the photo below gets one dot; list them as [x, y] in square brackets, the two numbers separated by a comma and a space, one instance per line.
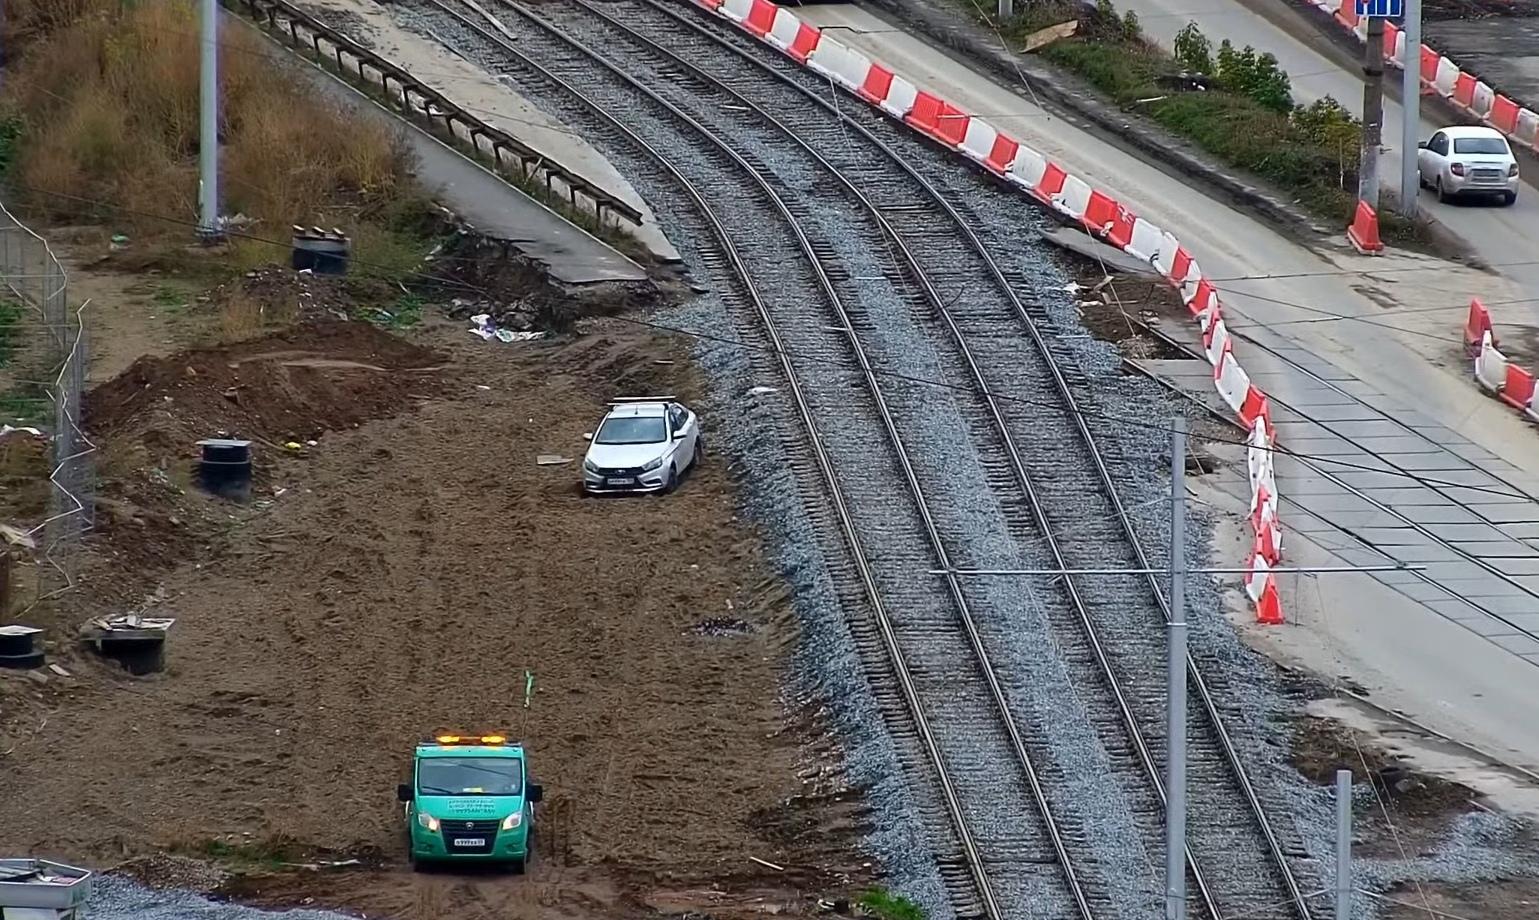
[513, 821]
[427, 821]
[652, 464]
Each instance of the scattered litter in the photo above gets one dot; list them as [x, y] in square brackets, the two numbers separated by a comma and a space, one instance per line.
[58, 670]
[312, 443]
[767, 865]
[760, 391]
[551, 460]
[278, 493]
[720, 627]
[488, 330]
[666, 361]
[1071, 288]
[15, 536]
[323, 864]
[482, 386]
[7, 429]
[119, 241]
[293, 445]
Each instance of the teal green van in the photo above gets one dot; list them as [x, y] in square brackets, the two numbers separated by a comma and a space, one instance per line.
[469, 800]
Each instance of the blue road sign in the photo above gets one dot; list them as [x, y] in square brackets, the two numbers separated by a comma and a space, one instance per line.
[1380, 9]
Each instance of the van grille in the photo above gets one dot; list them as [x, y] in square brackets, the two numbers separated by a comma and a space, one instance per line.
[454, 830]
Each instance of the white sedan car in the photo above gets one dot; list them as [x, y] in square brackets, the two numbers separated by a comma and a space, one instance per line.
[1468, 161]
[642, 445]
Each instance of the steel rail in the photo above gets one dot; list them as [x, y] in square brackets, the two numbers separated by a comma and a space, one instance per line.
[986, 666]
[1242, 779]
[1296, 894]
[824, 462]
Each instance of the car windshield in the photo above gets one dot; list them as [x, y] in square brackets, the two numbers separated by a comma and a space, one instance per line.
[1493, 145]
[470, 776]
[632, 430]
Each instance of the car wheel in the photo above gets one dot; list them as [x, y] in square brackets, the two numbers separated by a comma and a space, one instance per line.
[517, 866]
[672, 482]
[1509, 198]
[1442, 196]
[699, 452]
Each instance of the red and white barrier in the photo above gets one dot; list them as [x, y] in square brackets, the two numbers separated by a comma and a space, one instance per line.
[1101, 215]
[1442, 76]
[1496, 375]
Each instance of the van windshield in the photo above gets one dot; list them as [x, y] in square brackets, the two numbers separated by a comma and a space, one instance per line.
[470, 776]
[1492, 145]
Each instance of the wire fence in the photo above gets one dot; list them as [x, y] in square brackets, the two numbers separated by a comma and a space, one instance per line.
[40, 387]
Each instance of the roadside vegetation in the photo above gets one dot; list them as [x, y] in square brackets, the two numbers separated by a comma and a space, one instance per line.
[99, 126]
[1231, 102]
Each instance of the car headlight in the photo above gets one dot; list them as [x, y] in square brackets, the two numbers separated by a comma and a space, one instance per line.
[653, 464]
[427, 820]
[589, 465]
[1512, 171]
[512, 821]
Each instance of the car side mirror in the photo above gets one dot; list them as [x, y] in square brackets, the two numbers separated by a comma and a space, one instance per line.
[678, 435]
[403, 792]
[536, 792]
[1421, 145]
[587, 436]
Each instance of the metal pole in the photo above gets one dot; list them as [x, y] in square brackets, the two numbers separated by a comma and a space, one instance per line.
[1343, 844]
[1175, 767]
[208, 136]
[1373, 112]
[1410, 108]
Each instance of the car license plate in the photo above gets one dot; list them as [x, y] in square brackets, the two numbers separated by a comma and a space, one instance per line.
[470, 841]
[623, 481]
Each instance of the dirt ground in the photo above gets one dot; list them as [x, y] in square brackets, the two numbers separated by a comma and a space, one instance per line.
[1503, 898]
[1410, 811]
[396, 578]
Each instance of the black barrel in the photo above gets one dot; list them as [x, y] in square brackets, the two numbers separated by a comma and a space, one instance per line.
[319, 251]
[19, 647]
[225, 468]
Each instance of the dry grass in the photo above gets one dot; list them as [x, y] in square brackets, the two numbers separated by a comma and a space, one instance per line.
[243, 317]
[109, 96]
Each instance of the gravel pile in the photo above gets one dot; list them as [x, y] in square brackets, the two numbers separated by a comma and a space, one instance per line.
[114, 898]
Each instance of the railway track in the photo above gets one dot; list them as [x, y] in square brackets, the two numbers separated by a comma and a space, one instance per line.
[924, 259]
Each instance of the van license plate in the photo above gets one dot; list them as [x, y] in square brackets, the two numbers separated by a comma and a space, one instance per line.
[627, 481]
[470, 841]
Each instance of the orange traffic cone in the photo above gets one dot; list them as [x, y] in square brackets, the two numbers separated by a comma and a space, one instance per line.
[1269, 608]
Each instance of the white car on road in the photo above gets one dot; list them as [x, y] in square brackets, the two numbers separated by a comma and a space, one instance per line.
[1468, 161]
[642, 445]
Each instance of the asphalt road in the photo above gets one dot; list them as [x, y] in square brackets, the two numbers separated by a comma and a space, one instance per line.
[1501, 235]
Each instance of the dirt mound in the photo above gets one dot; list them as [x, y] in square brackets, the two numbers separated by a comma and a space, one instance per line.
[294, 384]
[488, 276]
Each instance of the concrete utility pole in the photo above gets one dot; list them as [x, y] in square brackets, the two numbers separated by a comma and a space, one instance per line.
[1410, 108]
[1006, 9]
[208, 135]
[1373, 112]
[1343, 845]
[1175, 767]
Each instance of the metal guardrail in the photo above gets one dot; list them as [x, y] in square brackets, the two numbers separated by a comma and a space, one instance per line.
[418, 101]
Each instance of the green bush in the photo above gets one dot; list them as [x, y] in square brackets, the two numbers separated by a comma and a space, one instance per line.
[1255, 76]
